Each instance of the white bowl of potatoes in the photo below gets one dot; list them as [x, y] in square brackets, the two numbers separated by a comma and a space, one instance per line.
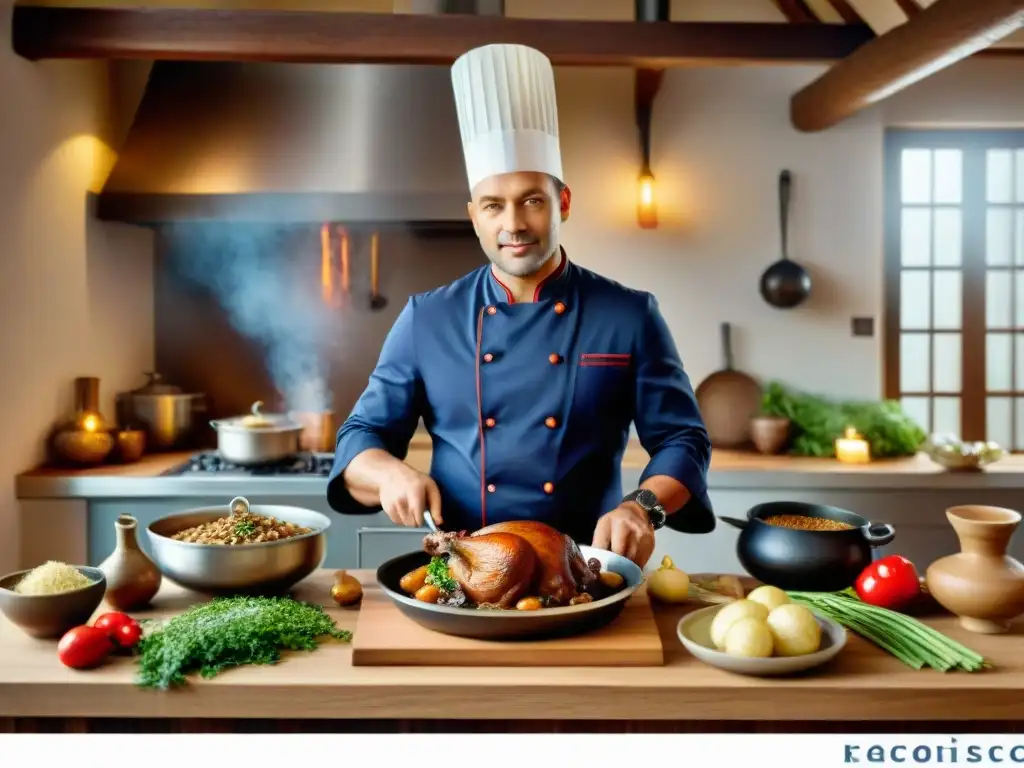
[763, 634]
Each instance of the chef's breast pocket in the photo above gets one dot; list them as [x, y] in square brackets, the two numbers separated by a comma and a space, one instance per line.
[604, 384]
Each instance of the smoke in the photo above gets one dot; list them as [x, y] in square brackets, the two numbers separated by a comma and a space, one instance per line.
[269, 295]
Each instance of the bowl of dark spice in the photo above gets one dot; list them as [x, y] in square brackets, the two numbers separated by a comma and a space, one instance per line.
[807, 547]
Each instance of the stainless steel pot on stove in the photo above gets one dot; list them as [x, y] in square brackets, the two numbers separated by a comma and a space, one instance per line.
[258, 438]
[163, 411]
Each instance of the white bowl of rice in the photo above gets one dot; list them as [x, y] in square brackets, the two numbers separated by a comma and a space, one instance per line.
[48, 600]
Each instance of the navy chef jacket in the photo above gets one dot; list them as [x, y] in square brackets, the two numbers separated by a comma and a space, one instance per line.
[529, 404]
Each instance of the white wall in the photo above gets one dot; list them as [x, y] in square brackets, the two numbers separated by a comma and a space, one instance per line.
[76, 294]
[720, 138]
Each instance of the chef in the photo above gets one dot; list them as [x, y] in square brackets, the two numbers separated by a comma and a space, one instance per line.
[528, 371]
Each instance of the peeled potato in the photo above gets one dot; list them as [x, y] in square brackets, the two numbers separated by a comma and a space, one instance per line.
[770, 597]
[795, 631]
[749, 637]
[731, 613]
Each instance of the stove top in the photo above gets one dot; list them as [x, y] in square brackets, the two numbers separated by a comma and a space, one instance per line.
[210, 462]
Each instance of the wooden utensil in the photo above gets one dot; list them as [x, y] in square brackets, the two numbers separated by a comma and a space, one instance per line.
[728, 399]
[376, 300]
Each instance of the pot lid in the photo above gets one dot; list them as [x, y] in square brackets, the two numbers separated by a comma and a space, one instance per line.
[155, 386]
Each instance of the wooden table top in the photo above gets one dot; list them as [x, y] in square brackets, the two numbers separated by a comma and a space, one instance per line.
[863, 683]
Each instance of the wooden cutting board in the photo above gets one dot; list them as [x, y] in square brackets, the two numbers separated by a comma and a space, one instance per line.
[385, 637]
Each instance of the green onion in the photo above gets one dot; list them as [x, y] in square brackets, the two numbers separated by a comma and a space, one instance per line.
[912, 642]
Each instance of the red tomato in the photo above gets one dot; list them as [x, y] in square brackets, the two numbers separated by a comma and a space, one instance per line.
[120, 627]
[127, 635]
[84, 647]
[891, 582]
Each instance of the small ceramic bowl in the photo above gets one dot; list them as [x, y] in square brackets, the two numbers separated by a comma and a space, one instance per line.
[50, 616]
[694, 631]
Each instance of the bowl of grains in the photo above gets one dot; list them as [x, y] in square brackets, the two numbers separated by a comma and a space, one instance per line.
[805, 547]
[239, 548]
[48, 600]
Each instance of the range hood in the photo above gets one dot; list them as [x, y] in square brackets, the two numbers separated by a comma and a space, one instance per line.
[295, 143]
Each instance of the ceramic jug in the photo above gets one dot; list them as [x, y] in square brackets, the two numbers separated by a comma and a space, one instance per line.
[981, 585]
[132, 578]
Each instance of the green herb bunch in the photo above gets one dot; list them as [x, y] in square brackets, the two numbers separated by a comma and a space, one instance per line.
[818, 421]
[440, 576]
[230, 631]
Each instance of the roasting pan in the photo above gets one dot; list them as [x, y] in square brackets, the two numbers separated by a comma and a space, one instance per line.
[512, 624]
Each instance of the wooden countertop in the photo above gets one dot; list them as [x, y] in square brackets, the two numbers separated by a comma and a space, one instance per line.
[635, 458]
[863, 683]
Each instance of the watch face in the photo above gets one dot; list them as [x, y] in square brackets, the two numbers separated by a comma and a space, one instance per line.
[646, 499]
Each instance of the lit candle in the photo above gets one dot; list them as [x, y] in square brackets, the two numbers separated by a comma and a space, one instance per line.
[89, 423]
[852, 448]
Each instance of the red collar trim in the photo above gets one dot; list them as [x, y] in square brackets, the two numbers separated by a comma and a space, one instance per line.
[563, 260]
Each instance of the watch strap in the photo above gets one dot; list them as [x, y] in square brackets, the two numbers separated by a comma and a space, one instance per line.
[649, 503]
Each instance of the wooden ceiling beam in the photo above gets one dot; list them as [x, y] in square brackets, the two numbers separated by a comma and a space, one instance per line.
[796, 12]
[844, 9]
[196, 34]
[937, 37]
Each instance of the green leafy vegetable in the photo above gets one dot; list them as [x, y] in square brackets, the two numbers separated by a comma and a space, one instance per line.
[245, 528]
[230, 631]
[818, 421]
[912, 642]
[439, 575]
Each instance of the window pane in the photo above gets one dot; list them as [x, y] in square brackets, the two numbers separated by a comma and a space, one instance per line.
[948, 237]
[947, 415]
[998, 425]
[915, 362]
[1019, 236]
[1019, 424]
[998, 362]
[914, 300]
[917, 409]
[998, 236]
[916, 173]
[946, 368]
[916, 237]
[1020, 175]
[997, 298]
[948, 300]
[998, 176]
[948, 176]
[1018, 362]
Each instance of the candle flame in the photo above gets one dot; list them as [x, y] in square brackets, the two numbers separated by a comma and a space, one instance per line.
[851, 434]
[89, 423]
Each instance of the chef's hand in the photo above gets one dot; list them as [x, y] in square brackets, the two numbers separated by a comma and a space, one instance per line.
[626, 531]
[407, 493]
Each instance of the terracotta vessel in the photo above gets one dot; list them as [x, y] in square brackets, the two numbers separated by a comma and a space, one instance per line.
[981, 584]
[769, 433]
[132, 578]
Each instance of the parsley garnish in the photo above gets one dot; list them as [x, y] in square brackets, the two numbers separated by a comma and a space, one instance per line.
[230, 631]
[439, 575]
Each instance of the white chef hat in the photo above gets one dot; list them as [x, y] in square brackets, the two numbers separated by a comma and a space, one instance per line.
[508, 114]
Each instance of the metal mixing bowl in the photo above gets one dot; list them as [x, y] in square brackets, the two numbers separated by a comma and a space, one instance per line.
[264, 568]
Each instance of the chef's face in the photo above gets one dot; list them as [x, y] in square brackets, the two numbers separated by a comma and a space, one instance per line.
[517, 217]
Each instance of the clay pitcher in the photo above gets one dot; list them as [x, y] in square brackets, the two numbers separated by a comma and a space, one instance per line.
[132, 578]
[981, 584]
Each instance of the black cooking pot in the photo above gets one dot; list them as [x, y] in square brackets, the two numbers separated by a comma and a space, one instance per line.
[807, 560]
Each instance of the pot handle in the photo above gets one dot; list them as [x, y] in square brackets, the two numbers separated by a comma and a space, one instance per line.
[879, 534]
[214, 423]
[735, 522]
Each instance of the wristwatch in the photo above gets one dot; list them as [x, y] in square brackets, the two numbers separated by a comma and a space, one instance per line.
[649, 503]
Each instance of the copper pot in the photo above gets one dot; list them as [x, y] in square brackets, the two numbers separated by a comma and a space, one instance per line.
[318, 431]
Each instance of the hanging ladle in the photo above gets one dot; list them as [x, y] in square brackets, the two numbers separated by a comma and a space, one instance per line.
[785, 284]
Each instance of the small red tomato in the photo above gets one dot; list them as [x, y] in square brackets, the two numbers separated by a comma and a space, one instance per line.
[84, 647]
[120, 627]
[127, 635]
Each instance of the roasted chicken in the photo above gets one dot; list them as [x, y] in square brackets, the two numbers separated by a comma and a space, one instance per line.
[499, 564]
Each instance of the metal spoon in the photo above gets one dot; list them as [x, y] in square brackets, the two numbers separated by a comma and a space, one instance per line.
[239, 505]
[429, 520]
